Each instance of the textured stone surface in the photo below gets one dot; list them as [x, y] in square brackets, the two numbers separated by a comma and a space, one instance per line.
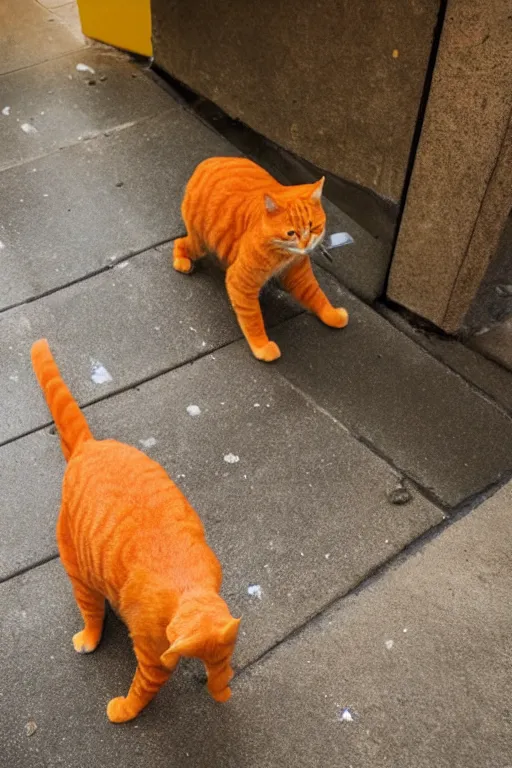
[34, 35]
[87, 221]
[464, 156]
[138, 319]
[329, 87]
[430, 423]
[302, 485]
[69, 108]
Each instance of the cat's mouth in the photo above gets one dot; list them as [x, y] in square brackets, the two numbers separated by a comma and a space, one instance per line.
[291, 248]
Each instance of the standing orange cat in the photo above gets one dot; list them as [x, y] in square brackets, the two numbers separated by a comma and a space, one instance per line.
[258, 228]
[127, 533]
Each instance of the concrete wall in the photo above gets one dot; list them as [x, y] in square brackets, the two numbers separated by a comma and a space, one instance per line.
[461, 190]
[336, 82]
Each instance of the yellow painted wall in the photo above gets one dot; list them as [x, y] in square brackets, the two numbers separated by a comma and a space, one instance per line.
[125, 24]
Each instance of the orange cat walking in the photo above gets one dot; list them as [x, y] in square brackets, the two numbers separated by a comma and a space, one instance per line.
[126, 533]
[258, 228]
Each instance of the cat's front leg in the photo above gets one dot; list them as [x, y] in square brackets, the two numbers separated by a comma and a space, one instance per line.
[301, 282]
[149, 677]
[243, 291]
[219, 677]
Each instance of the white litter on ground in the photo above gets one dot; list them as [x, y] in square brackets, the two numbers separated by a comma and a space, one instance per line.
[346, 716]
[2, 245]
[84, 68]
[339, 238]
[6, 111]
[149, 442]
[193, 410]
[389, 644]
[28, 128]
[99, 374]
[230, 458]
[254, 590]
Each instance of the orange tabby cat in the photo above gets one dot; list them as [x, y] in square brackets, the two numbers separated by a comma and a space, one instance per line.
[257, 228]
[126, 533]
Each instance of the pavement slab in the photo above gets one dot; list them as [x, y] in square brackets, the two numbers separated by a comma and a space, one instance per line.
[97, 201]
[420, 659]
[137, 319]
[430, 695]
[485, 374]
[31, 35]
[73, 105]
[429, 422]
[496, 343]
[305, 536]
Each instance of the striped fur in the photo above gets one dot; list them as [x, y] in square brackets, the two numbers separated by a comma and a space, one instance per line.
[126, 533]
[258, 228]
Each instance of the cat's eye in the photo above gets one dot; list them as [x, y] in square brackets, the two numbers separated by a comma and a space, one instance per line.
[291, 233]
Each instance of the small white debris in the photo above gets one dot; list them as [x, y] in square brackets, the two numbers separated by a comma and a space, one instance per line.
[84, 68]
[193, 329]
[193, 410]
[28, 128]
[14, 377]
[99, 374]
[203, 343]
[254, 590]
[405, 630]
[149, 442]
[6, 111]
[389, 644]
[157, 327]
[339, 238]
[2, 245]
[345, 716]
[231, 458]
[122, 265]
[256, 405]
[30, 728]
[327, 555]
[45, 195]
[302, 554]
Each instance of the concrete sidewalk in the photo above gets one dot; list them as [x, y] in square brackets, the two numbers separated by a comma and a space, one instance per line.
[89, 207]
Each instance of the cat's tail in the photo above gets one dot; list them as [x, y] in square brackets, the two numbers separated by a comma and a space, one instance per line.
[69, 419]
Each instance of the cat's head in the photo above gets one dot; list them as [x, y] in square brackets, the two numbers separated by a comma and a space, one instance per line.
[294, 219]
[203, 628]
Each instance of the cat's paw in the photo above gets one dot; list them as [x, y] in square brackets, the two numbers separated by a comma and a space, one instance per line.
[86, 641]
[183, 264]
[118, 711]
[335, 317]
[268, 353]
[223, 695]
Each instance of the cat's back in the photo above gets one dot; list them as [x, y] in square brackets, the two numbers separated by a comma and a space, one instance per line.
[116, 480]
[230, 176]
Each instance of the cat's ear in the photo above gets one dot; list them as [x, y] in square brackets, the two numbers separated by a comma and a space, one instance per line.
[230, 631]
[183, 646]
[270, 204]
[317, 192]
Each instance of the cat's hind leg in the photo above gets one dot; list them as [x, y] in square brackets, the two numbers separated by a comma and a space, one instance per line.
[187, 250]
[90, 602]
[92, 608]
